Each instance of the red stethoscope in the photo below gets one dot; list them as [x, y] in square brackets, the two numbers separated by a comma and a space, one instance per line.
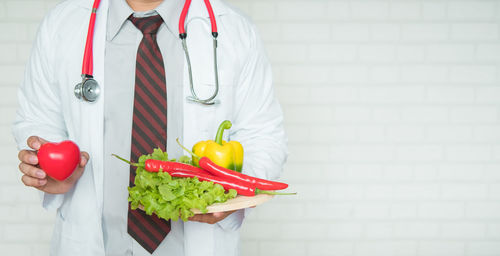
[88, 90]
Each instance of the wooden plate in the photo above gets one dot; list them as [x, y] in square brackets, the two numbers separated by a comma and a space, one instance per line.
[239, 202]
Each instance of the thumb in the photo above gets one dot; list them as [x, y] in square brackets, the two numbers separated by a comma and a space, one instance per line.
[218, 214]
[84, 159]
[35, 142]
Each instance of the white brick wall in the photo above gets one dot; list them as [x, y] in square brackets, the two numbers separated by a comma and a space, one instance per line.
[401, 155]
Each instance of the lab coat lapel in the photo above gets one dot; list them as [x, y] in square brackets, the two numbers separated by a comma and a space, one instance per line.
[200, 121]
[96, 113]
[92, 114]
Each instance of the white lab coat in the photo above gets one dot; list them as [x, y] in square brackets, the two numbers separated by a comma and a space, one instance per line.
[49, 109]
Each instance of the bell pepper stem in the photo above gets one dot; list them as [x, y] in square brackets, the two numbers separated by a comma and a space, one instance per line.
[258, 191]
[127, 161]
[189, 151]
[223, 126]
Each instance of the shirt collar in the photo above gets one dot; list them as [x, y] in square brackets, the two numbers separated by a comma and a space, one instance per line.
[170, 11]
[118, 13]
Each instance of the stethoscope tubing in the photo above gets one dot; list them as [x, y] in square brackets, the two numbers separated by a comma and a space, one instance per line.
[185, 10]
[183, 35]
[88, 89]
[88, 62]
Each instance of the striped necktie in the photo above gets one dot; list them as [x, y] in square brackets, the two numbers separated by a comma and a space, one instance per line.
[149, 125]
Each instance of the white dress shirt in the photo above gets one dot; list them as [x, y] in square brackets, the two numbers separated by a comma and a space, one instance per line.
[122, 41]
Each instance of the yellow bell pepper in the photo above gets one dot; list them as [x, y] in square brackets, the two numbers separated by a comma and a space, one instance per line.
[226, 154]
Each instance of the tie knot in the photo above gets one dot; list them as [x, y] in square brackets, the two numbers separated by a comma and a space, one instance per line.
[147, 25]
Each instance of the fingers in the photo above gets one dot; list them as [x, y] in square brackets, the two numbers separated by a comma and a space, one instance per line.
[35, 142]
[32, 171]
[210, 218]
[205, 218]
[222, 215]
[33, 182]
[28, 156]
[33, 176]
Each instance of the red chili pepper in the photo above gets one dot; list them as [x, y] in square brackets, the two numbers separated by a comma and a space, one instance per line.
[152, 165]
[241, 188]
[220, 171]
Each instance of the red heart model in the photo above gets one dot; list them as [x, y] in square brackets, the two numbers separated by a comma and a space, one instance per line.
[59, 160]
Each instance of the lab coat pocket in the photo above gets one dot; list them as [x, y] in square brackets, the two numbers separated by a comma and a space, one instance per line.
[197, 119]
[225, 90]
[71, 238]
[210, 116]
[203, 120]
[205, 90]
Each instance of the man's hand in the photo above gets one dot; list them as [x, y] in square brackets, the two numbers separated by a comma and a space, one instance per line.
[37, 178]
[210, 218]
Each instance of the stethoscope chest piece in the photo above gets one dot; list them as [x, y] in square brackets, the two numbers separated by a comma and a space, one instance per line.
[88, 90]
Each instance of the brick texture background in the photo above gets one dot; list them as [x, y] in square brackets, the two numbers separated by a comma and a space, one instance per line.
[393, 115]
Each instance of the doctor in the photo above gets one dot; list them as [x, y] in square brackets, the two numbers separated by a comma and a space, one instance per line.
[143, 78]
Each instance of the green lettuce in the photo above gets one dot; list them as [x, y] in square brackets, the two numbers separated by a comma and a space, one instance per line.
[172, 198]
